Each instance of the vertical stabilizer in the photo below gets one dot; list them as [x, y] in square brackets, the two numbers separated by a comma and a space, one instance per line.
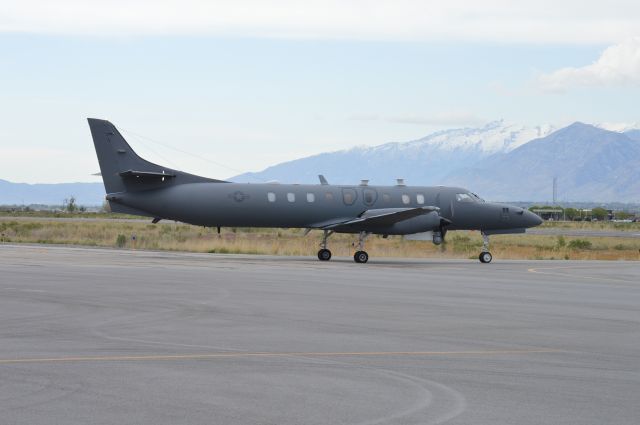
[124, 171]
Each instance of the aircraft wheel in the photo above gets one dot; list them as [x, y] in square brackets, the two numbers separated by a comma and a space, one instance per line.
[485, 257]
[361, 257]
[324, 255]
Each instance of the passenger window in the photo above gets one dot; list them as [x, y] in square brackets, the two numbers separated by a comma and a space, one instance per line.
[370, 196]
[271, 197]
[348, 196]
[311, 197]
[386, 198]
[291, 197]
[406, 199]
[420, 198]
[328, 196]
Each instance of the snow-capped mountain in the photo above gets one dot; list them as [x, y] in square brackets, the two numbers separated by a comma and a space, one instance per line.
[424, 161]
[619, 127]
[590, 163]
[500, 161]
[496, 136]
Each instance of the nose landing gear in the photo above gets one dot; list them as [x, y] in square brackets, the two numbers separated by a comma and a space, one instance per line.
[485, 255]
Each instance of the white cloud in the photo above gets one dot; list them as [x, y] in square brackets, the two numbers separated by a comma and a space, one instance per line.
[618, 65]
[542, 21]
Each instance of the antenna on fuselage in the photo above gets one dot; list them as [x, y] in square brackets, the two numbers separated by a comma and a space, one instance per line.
[323, 181]
[400, 182]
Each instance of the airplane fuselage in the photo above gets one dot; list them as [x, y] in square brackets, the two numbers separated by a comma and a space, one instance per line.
[313, 206]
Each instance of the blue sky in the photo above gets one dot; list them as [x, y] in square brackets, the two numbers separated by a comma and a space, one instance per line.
[243, 98]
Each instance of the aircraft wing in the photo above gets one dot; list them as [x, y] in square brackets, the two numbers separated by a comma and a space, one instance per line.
[378, 218]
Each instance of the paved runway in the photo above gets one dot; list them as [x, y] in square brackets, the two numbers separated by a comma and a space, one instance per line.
[104, 336]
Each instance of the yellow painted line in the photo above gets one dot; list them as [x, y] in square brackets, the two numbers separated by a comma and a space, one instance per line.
[267, 354]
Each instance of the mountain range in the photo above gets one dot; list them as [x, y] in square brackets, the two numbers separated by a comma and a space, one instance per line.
[426, 161]
[499, 161]
[50, 194]
[589, 163]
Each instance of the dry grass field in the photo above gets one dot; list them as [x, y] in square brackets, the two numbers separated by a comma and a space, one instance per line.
[181, 237]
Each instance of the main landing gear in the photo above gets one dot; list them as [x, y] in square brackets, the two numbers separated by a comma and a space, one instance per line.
[361, 255]
[485, 255]
[324, 254]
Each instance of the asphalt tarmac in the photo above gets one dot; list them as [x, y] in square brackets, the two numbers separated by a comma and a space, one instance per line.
[99, 336]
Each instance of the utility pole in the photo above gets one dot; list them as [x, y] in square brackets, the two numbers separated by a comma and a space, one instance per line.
[555, 190]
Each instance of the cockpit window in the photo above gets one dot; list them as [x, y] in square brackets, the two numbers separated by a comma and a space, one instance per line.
[477, 198]
[468, 197]
[464, 197]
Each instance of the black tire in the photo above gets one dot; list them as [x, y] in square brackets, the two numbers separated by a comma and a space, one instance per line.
[324, 255]
[361, 257]
[485, 257]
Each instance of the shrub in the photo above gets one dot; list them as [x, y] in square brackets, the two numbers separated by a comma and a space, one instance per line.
[561, 243]
[461, 243]
[121, 241]
[580, 244]
[460, 239]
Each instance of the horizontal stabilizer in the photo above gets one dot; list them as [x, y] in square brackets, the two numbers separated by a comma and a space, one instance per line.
[146, 174]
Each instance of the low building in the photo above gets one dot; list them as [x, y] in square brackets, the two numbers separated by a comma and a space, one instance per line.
[554, 214]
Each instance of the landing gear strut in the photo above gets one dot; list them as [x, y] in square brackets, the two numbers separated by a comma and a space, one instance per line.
[361, 255]
[324, 254]
[485, 255]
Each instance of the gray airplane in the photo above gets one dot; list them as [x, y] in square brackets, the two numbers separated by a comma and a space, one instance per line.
[136, 186]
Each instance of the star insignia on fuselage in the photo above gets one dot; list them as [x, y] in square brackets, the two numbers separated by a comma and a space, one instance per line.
[238, 196]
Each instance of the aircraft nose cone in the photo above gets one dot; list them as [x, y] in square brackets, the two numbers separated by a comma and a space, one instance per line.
[532, 219]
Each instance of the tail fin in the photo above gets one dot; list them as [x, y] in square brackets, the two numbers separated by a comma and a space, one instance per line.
[124, 171]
